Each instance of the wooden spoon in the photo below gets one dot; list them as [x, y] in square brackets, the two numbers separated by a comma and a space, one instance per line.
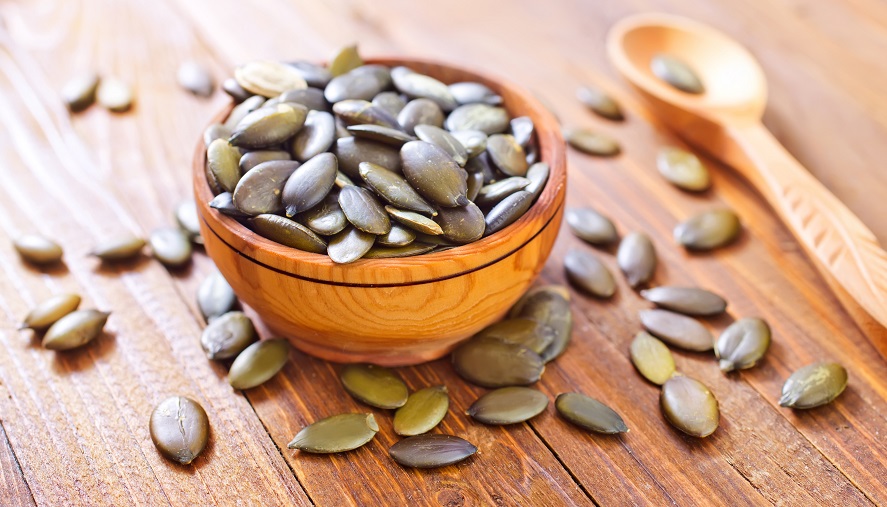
[725, 122]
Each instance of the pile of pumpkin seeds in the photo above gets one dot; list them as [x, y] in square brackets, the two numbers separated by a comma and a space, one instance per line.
[360, 160]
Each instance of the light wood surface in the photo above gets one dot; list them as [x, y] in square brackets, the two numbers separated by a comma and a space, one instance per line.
[76, 423]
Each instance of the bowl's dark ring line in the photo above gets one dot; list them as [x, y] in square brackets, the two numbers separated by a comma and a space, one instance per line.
[383, 285]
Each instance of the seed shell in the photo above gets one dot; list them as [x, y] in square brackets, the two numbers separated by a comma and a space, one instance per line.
[431, 451]
[288, 232]
[600, 103]
[589, 413]
[338, 433]
[235, 91]
[742, 344]
[346, 59]
[522, 128]
[708, 230]
[677, 73]
[313, 74]
[75, 329]
[224, 163]
[50, 310]
[241, 110]
[636, 258]
[591, 226]
[374, 385]
[494, 192]
[434, 174]
[387, 135]
[814, 385]
[593, 143]
[171, 246]
[423, 410]
[227, 335]
[508, 405]
[268, 79]
[119, 248]
[215, 131]
[677, 330]
[488, 362]
[215, 297]
[538, 175]
[224, 203]
[652, 358]
[362, 112]
[258, 363]
[38, 249]
[682, 169]
[179, 429]
[349, 245]
[686, 300]
[188, 220]
[312, 98]
[689, 406]
[589, 274]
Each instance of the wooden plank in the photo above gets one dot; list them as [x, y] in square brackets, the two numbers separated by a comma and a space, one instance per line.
[13, 488]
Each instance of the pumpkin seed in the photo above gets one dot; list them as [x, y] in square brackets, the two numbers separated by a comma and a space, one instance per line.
[475, 183]
[392, 102]
[268, 79]
[415, 221]
[393, 188]
[462, 224]
[434, 174]
[488, 119]
[170, 246]
[507, 155]
[397, 236]
[538, 176]
[312, 98]
[683, 169]
[351, 151]
[235, 91]
[636, 258]
[495, 192]
[326, 218]
[224, 163]
[522, 130]
[507, 211]
[224, 202]
[50, 310]
[215, 297]
[259, 190]
[361, 112]
[508, 405]
[342, 180]
[689, 406]
[591, 227]
[289, 233]
[489, 362]
[549, 306]
[258, 363]
[474, 141]
[589, 413]
[560, 291]
[814, 385]
[588, 273]
[419, 86]
[349, 245]
[600, 103]
[481, 164]
[363, 210]
[652, 358]
[269, 126]
[314, 75]
[215, 131]
[444, 140]
[420, 112]
[381, 252]
[534, 335]
[381, 134]
[79, 92]
[114, 95]
[309, 184]
[38, 249]
[338, 433]
[254, 158]
[315, 137]
[431, 451]
[194, 78]
[188, 220]
[686, 300]
[532, 151]
[75, 329]
[742, 344]
[593, 143]
[227, 335]
[119, 248]
[423, 410]
[677, 330]
[708, 230]
[346, 59]
[179, 429]
[241, 110]
[469, 92]
[677, 73]
[374, 385]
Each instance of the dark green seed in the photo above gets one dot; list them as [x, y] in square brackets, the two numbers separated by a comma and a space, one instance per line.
[363, 210]
[507, 211]
[361, 112]
[48, 311]
[689, 406]
[215, 131]
[494, 192]
[686, 300]
[358, 84]
[469, 92]
[677, 73]
[415, 221]
[38, 249]
[259, 190]
[79, 92]
[351, 151]
[381, 252]
[443, 140]
[475, 183]
[349, 245]
[338, 433]
[170, 246]
[188, 220]
[431, 451]
[677, 330]
[224, 203]
[534, 335]
[636, 258]
[326, 218]
[488, 119]
[481, 164]
[389, 101]
[474, 141]
[742, 344]
[708, 230]
[593, 143]
[386, 135]
[241, 110]
[652, 358]
[588, 273]
[591, 227]
[268, 126]
[538, 176]
[423, 410]
[179, 429]
[397, 236]
[507, 155]
[314, 75]
[814, 385]
[550, 306]
[215, 297]
[258, 363]
[374, 385]
[119, 248]
[254, 158]
[488, 362]
[589, 413]
[288, 232]
[419, 112]
[268, 79]
[394, 188]
[312, 98]
[309, 184]
[315, 137]
[682, 169]
[235, 91]
[462, 224]
[227, 335]
[224, 163]
[419, 86]
[508, 405]
[434, 174]
[522, 129]
[196, 79]
[346, 59]
[600, 103]
[75, 329]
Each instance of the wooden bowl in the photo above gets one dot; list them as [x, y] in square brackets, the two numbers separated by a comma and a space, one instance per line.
[393, 311]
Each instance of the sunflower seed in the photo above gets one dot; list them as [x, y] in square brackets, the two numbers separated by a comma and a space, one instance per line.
[589, 413]
[682, 169]
[351, 151]
[652, 358]
[469, 92]
[677, 73]
[814, 385]
[227, 335]
[215, 297]
[507, 211]
[289, 233]
[79, 92]
[488, 362]
[677, 330]
[419, 112]
[508, 405]
[549, 306]
[346, 59]
[258, 363]
[394, 188]
[462, 224]
[434, 174]
[259, 190]
[179, 429]
[742, 344]
[50, 310]
[338, 433]
[431, 451]
[708, 230]
[269, 126]
[119, 248]
[415, 221]
[689, 406]
[114, 95]
[593, 143]
[529, 333]
[38, 249]
[196, 79]
[588, 273]
[315, 137]
[423, 410]
[636, 258]
[397, 236]
[268, 79]
[75, 329]
[488, 119]
[600, 103]
[170, 246]
[444, 140]
[374, 385]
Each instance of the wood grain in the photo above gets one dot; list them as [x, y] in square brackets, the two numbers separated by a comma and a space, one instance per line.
[13, 488]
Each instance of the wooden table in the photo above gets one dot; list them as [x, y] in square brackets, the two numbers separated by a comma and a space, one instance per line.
[75, 425]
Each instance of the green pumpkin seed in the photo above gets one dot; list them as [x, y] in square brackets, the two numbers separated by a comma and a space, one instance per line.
[683, 169]
[507, 211]
[357, 84]
[326, 218]
[636, 258]
[532, 151]
[443, 140]
[593, 143]
[38, 249]
[194, 78]
[742, 344]
[314, 75]
[75, 329]
[79, 92]
[346, 59]
[315, 137]
[188, 219]
[474, 141]
[431, 451]
[589, 274]
[309, 184]
[423, 410]
[419, 86]
[224, 203]
[392, 102]
[419, 112]
[258, 363]
[215, 297]
[689, 406]
[534, 335]
[289, 233]
[549, 306]
[508, 405]
[268, 79]
[469, 92]
[312, 98]
[589, 413]
[363, 210]
[522, 129]
[254, 158]
[119, 248]
[652, 358]
[686, 300]
[600, 103]
[462, 224]
[361, 112]
[235, 91]
[708, 230]
[814, 385]
[677, 73]
[434, 174]
[179, 429]
[241, 110]
[677, 330]
[488, 119]
[538, 176]
[381, 134]
[507, 155]
[475, 183]
[591, 227]
[259, 190]
[351, 151]
[381, 252]
[394, 188]
[397, 236]
[338, 433]
[215, 131]
[224, 163]
[374, 385]
[48, 311]
[481, 164]
[227, 335]
[489, 362]
[170, 246]
[269, 126]
[114, 95]
[349, 245]
[415, 221]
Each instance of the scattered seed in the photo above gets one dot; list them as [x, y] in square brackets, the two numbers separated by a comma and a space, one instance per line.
[814, 385]
[423, 410]
[682, 169]
[258, 363]
[677, 330]
[79, 92]
[636, 258]
[75, 329]
[589, 274]
[677, 73]
[534, 335]
[600, 103]
[114, 95]
[488, 362]
[743, 344]
[119, 248]
[179, 429]
[593, 143]
[508, 405]
[549, 306]
[196, 79]
[50, 310]
[589, 413]
[686, 300]
[38, 249]
[374, 385]
[431, 451]
[170, 246]
[708, 230]
[215, 297]
[228, 335]
[689, 406]
[188, 220]
[652, 358]
[591, 227]
[338, 433]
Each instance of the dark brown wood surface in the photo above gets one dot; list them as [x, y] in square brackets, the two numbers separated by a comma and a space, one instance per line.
[74, 425]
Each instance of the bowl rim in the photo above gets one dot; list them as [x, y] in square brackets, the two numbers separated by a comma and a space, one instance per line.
[421, 269]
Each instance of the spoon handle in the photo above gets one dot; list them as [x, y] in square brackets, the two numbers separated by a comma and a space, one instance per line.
[829, 231]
